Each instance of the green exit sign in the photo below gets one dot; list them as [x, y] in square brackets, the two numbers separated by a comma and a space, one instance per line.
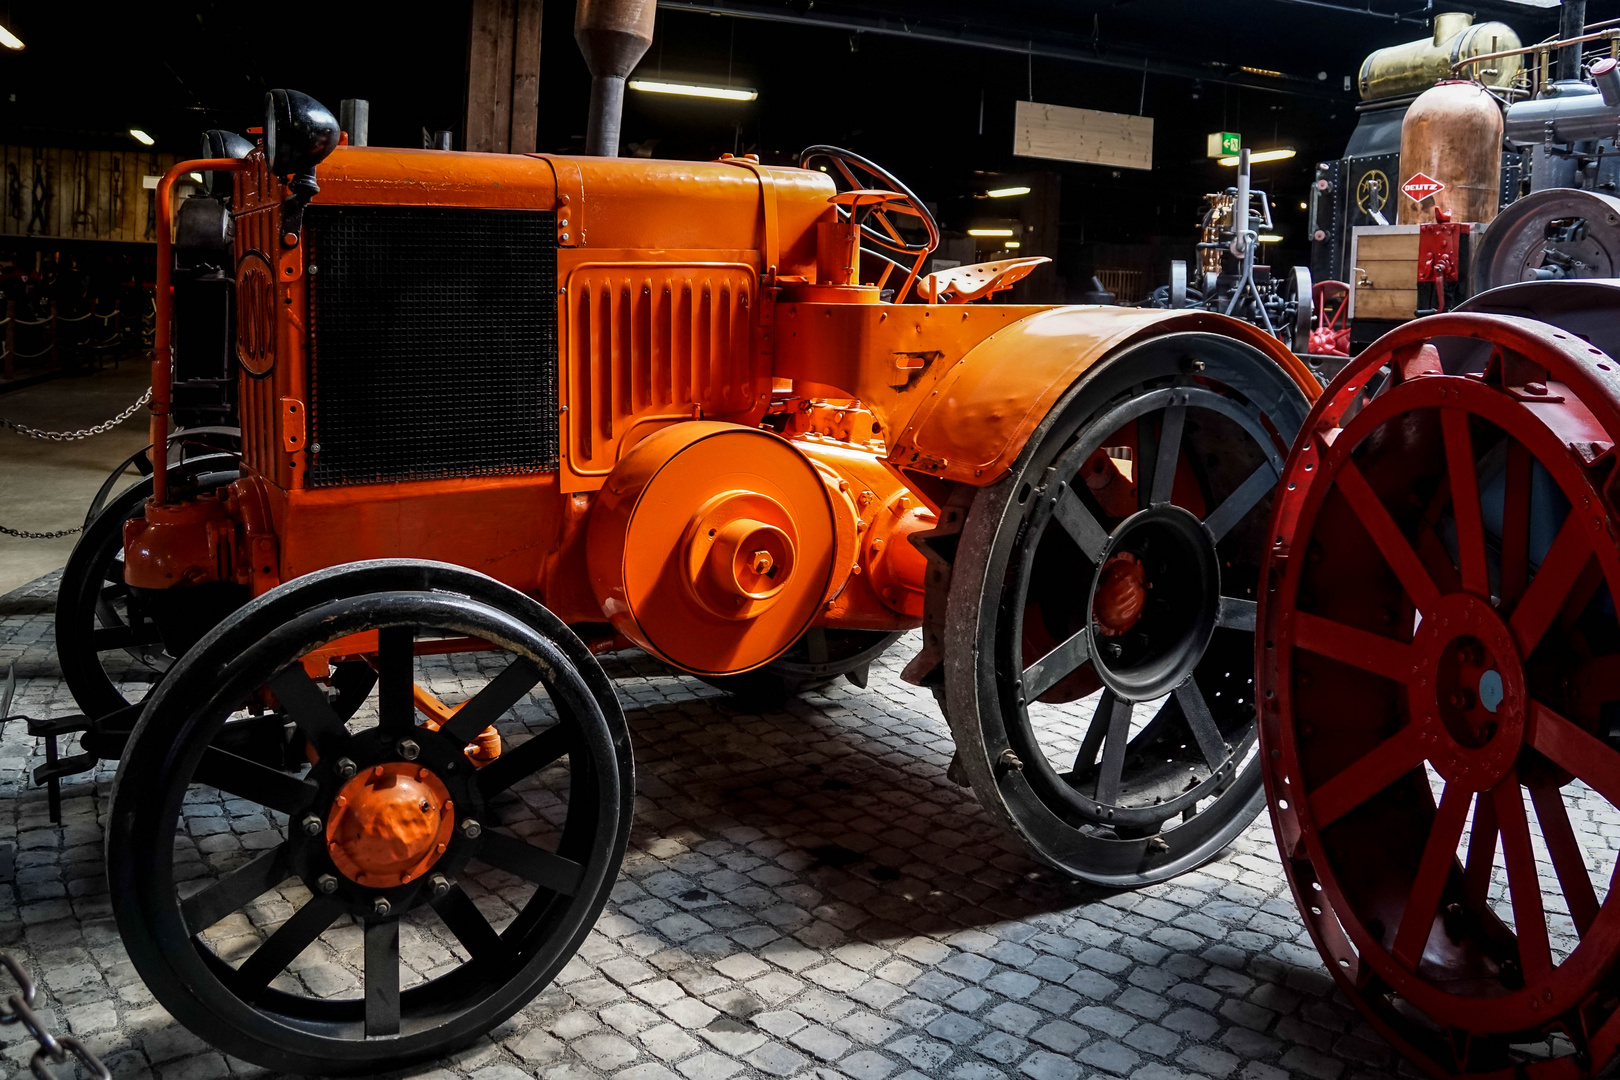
[1225, 144]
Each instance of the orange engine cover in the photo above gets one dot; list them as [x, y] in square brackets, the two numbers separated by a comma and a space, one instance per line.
[711, 546]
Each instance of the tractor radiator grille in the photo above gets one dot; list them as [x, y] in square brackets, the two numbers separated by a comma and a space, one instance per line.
[433, 343]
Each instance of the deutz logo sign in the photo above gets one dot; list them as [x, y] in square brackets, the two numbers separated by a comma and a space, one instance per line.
[1422, 186]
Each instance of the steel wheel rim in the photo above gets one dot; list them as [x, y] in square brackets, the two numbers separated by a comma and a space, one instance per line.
[1379, 958]
[1033, 797]
[448, 1008]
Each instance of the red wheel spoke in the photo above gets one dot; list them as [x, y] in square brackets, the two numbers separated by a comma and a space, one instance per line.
[1387, 536]
[1434, 868]
[1516, 523]
[1361, 780]
[1529, 918]
[1567, 860]
[1569, 747]
[1481, 852]
[1597, 680]
[1560, 571]
[1358, 648]
[1465, 501]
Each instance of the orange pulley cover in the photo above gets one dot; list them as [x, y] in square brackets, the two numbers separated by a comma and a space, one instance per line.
[711, 546]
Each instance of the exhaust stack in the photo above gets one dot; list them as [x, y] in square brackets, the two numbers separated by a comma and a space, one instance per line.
[614, 35]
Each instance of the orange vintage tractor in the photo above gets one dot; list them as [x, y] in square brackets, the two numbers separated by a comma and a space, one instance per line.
[500, 413]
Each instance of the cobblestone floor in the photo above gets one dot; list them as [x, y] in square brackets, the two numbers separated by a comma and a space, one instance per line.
[805, 894]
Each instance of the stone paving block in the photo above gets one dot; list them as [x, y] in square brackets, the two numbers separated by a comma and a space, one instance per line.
[733, 947]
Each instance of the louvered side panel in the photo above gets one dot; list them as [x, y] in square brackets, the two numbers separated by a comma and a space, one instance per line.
[652, 343]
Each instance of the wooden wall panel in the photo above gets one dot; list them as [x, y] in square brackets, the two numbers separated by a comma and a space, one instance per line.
[90, 194]
[503, 76]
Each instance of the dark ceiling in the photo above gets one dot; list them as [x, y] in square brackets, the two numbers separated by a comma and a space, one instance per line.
[926, 88]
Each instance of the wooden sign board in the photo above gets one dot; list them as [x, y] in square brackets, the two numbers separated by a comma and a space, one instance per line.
[1097, 138]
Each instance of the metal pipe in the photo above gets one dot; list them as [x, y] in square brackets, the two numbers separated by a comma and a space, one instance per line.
[162, 331]
[607, 111]
[354, 116]
[613, 35]
[1571, 22]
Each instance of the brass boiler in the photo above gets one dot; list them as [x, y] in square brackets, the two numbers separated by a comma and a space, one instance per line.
[1417, 65]
[1453, 134]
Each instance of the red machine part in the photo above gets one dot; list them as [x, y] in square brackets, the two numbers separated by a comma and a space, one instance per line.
[1332, 334]
[1440, 647]
[1440, 255]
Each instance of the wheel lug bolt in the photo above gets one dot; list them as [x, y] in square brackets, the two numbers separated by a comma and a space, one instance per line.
[439, 884]
[381, 906]
[471, 829]
[408, 749]
[346, 768]
[312, 825]
[327, 884]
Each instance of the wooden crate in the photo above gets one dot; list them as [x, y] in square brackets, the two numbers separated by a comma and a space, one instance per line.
[1383, 281]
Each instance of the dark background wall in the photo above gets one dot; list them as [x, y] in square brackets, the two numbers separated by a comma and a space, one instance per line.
[937, 114]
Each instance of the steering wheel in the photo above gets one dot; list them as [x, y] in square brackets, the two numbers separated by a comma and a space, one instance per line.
[851, 172]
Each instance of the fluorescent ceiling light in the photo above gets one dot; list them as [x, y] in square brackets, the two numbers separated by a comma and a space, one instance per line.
[197, 176]
[1006, 192]
[990, 232]
[1263, 155]
[10, 40]
[722, 93]
[141, 137]
[1011, 244]
[1269, 238]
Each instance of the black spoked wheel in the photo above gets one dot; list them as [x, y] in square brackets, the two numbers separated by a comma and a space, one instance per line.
[816, 659]
[390, 901]
[1100, 623]
[109, 646]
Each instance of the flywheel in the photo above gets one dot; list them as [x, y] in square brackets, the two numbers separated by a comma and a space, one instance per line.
[1440, 681]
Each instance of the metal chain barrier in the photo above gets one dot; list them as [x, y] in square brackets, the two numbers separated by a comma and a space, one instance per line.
[82, 433]
[53, 1049]
[24, 534]
[66, 436]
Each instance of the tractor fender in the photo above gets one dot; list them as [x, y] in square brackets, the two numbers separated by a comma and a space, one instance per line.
[981, 412]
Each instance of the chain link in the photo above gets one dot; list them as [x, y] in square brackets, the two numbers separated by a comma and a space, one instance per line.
[83, 433]
[53, 1049]
[24, 534]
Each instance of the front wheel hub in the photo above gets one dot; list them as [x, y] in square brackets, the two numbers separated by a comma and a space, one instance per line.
[390, 824]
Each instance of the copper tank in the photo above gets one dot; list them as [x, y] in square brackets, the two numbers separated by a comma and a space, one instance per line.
[1452, 134]
[1413, 67]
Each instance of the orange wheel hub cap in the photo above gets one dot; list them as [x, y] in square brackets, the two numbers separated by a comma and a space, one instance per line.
[1121, 594]
[389, 824]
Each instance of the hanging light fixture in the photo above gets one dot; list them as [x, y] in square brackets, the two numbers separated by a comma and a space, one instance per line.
[141, 137]
[719, 93]
[1263, 155]
[10, 40]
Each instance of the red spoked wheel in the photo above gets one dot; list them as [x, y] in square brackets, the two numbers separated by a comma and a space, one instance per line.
[1440, 673]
